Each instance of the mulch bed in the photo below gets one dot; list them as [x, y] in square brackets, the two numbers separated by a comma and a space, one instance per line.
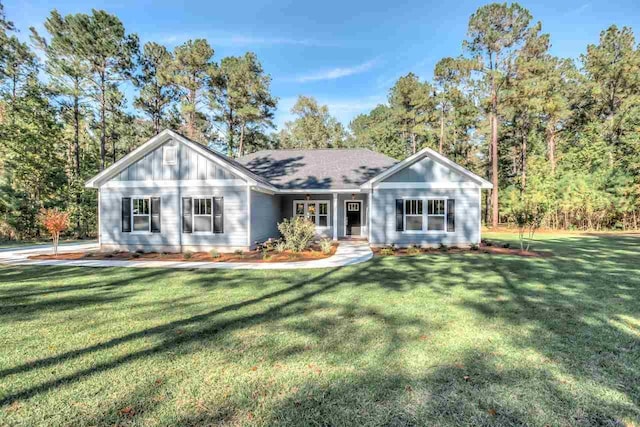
[313, 253]
[484, 249]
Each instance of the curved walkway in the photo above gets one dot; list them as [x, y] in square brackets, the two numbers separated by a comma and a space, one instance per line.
[348, 253]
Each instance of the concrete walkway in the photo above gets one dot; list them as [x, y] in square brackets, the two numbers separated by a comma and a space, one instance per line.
[348, 253]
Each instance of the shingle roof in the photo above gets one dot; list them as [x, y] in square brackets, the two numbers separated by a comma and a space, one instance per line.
[317, 169]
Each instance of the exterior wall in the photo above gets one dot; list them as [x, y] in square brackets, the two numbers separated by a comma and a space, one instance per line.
[286, 209]
[265, 215]
[426, 170]
[342, 197]
[467, 218]
[171, 238]
[189, 166]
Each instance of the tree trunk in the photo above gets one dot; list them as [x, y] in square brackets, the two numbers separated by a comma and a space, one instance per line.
[241, 145]
[441, 132]
[103, 123]
[551, 146]
[525, 132]
[494, 169]
[191, 126]
[76, 130]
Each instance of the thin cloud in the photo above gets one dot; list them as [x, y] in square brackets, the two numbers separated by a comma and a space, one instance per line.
[337, 73]
[238, 40]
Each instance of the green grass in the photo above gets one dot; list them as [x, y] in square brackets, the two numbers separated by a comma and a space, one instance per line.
[438, 339]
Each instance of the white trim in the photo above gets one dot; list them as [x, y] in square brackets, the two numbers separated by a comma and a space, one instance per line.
[318, 190]
[132, 221]
[420, 155]
[248, 216]
[100, 218]
[317, 202]
[426, 185]
[335, 216]
[345, 216]
[176, 183]
[165, 151]
[479, 216]
[370, 216]
[193, 214]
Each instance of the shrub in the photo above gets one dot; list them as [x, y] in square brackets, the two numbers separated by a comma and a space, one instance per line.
[280, 246]
[187, 255]
[297, 233]
[140, 251]
[238, 252]
[443, 247]
[135, 255]
[54, 221]
[506, 245]
[387, 251]
[325, 246]
[413, 250]
[474, 247]
[213, 253]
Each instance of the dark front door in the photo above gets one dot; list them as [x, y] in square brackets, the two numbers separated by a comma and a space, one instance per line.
[354, 218]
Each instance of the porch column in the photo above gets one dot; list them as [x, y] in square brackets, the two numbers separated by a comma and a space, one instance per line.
[335, 216]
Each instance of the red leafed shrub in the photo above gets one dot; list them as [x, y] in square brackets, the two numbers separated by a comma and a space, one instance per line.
[55, 222]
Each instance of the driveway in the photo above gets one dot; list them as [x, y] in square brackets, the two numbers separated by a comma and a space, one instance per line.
[348, 253]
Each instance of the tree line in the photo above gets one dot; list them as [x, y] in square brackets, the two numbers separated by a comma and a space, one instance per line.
[562, 134]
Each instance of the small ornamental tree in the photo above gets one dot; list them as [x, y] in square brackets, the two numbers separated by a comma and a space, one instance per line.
[55, 222]
[297, 233]
[527, 212]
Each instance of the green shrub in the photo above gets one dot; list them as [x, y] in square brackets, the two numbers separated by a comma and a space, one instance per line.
[325, 246]
[413, 250]
[474, 247]
[238, 252]
[213, 253]
[443, 247]
[506, 245]
[139, 251]
[135, 255]
[387, 251]
[297, 233]
[187, 255]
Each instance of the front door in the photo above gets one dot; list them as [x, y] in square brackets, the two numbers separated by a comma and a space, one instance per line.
[354, 217]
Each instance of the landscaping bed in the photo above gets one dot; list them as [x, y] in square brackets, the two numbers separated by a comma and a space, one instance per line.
[312, 253]
[485, 248]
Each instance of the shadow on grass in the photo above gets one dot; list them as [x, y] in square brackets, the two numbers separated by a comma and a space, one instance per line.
[572, 306]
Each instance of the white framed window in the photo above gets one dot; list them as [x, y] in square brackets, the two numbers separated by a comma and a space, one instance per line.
[436, 214]
[316, 211]
[202, 215]
[425, 215]
[169, 154]
[413, 214]
[141, 214]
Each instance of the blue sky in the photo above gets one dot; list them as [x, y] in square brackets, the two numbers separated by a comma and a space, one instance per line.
[347, 54]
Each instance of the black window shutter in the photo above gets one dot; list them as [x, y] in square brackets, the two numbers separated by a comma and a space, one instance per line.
[126, 215]
[155, 214]
[451, 215]
[187, 226]
[218, 214]
[399, 215]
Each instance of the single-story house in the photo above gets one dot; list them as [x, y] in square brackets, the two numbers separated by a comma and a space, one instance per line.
[173, 194]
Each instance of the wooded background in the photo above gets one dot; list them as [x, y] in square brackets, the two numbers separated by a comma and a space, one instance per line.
[561, 134]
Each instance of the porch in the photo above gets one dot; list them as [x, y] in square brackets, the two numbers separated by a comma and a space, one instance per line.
[337, 215]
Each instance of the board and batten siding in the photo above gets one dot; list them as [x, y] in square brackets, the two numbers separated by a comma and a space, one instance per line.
[427, 171]
[192, 175]
[265, 216]
[190, 165]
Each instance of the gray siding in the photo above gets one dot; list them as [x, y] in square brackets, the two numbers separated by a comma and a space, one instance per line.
[426, 170]
[342, 197]
[190, 165]
[467, 218]
[286, 209]
[265, 215]
[171, 237]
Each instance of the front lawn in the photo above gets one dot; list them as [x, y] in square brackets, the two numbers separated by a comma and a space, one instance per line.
[432, 339]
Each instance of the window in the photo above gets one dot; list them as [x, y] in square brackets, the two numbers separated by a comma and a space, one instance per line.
[314, 210]
[169, 154]
[202, 215]
[435, 215]
[413, 215]
[439, 215]
[141, 214]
